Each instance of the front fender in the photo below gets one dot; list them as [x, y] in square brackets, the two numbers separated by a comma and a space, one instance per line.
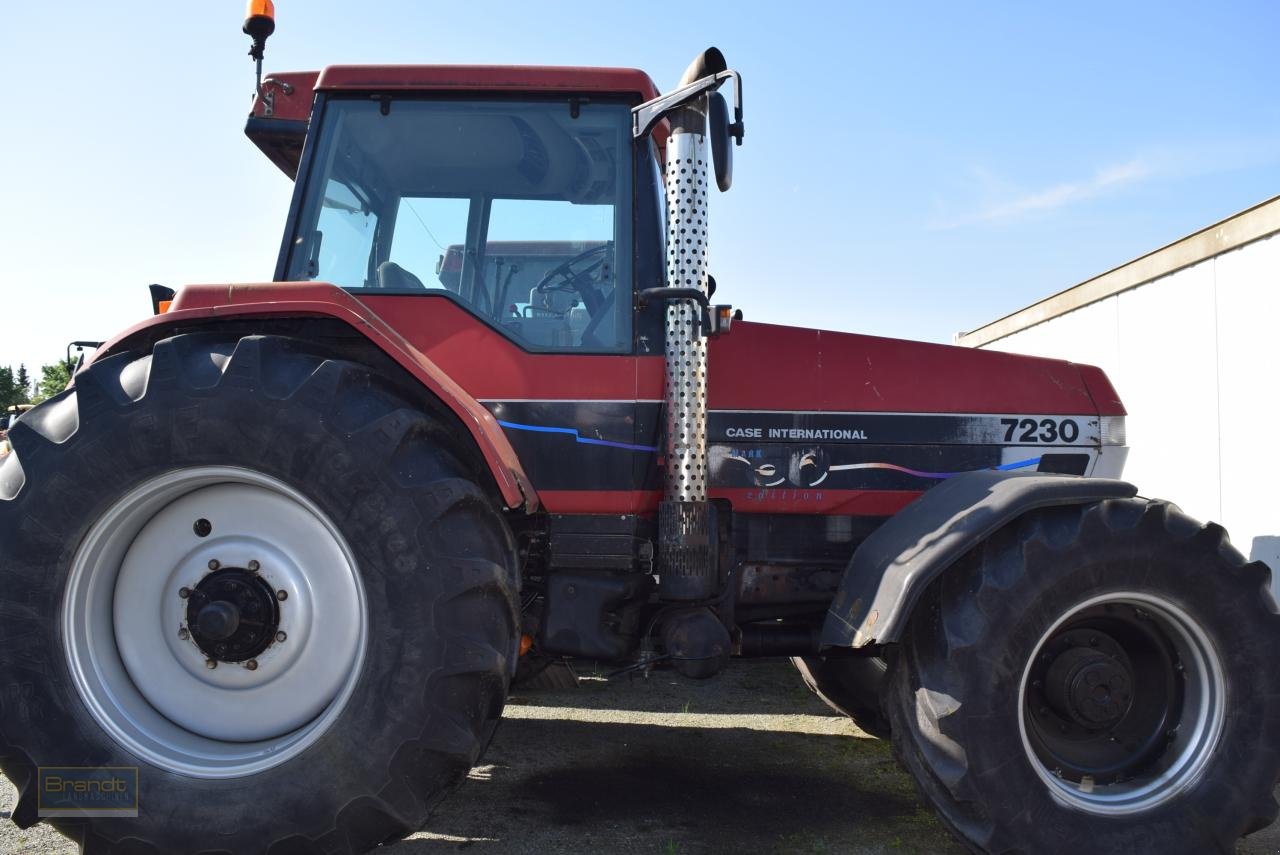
[893, 566]
[205, 303]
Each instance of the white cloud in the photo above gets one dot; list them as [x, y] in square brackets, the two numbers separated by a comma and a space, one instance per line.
[1164, 163]
[1059, 195]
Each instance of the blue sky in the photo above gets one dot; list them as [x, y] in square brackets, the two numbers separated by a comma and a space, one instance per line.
[910, 169]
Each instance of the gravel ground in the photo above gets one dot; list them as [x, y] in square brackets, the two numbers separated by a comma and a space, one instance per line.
[749, 761]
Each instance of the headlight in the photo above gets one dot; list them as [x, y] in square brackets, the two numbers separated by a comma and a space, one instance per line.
[1113, 430]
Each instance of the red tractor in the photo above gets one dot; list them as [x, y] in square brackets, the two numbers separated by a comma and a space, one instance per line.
[487, 409]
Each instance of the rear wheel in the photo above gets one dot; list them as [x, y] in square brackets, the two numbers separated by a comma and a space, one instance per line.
[850, 685]
[263, 578]
[1095, 679]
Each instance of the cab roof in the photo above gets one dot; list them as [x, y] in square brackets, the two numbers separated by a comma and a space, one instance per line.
[539, 78]
[281, 130]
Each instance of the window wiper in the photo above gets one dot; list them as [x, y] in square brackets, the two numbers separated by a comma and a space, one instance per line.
[342, 206]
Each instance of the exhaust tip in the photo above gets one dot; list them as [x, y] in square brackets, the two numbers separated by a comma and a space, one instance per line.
[710, 61]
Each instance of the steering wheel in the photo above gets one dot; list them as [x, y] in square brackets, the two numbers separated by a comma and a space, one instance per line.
[576, 274]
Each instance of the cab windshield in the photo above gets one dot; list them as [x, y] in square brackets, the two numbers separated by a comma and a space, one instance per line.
[517, 209]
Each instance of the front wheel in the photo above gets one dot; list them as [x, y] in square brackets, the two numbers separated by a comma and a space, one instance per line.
[264, 579]
[850, 685]
[1095, 679]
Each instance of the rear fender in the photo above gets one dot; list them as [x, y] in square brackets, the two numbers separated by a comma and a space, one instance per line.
[200, 304]
[893, 566]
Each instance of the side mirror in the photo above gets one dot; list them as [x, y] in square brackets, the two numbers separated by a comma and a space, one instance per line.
[701, 81]
[720, 132]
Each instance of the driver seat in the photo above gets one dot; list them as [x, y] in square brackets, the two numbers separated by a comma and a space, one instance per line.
[393, 277]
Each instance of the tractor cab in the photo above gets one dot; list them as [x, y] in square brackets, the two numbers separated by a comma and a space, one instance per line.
[531, 205]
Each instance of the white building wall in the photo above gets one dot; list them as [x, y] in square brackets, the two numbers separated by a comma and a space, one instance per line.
[1195, 356]
[1248, 320]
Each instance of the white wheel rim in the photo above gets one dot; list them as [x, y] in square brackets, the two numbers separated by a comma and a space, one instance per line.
[1196, 739]
[135, 664]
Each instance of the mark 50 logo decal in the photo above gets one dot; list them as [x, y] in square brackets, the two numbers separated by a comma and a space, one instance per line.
[1028, 430]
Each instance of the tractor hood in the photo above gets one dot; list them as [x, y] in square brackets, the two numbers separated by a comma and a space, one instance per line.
[766, 367]
[810, 421]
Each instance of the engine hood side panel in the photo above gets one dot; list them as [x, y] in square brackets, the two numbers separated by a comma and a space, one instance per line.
[816, 422]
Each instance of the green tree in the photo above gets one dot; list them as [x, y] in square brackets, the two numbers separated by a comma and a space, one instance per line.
[53, 379]
[24, 385]
[8, 388]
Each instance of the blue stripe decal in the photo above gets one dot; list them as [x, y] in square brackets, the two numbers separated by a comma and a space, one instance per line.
[573, 432]
[1021, 464]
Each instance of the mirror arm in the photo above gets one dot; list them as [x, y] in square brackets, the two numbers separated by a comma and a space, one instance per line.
[705, 323]
[648, 295]
[648, 114]
[737, 130]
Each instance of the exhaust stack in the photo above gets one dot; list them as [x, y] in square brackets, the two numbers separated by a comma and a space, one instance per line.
[695, 638]
[686, 521]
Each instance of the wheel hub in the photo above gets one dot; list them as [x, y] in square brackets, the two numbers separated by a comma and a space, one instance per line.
[1090, 686]
[232, 615]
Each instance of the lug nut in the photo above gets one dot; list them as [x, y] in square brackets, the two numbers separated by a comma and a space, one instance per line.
[252, 664]
[211, 664]
[254, 566]
[280, 636]
[184, 633]
[282, 595]
[214, 564]
[184, 592]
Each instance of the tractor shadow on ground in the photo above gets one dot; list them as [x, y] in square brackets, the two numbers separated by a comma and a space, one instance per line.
[571, 786]
[645, 774]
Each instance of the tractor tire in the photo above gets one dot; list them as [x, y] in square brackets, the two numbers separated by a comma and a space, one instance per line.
[180, 510]
[1095, 679]
[850, 685]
